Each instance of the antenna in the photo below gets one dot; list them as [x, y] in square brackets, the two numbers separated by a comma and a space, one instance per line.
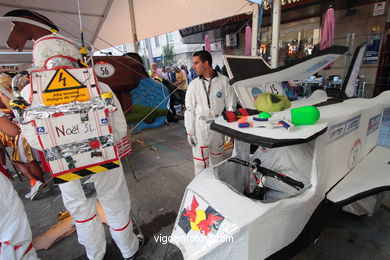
[83, 50]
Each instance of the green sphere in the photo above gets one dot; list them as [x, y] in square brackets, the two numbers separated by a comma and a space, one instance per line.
[264, 115]
[307, 115]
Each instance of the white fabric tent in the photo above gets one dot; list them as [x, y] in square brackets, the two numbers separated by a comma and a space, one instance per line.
[109, 23]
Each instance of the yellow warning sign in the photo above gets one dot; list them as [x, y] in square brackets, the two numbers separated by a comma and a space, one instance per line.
[64, 88]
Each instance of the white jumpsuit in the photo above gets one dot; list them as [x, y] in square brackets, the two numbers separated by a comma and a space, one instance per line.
[15, 231]
[111, 188]
[111, 192]
[200, 113]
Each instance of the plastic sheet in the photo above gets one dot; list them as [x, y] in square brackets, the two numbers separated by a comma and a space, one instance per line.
[66, 150]
[41, 111]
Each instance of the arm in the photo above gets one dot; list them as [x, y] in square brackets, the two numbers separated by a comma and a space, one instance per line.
[230, 99]
[118, 121]
[189, 114]
[7, 127]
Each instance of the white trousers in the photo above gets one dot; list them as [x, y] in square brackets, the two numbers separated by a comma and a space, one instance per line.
[208, 154]
[113, 195]
[15, 231]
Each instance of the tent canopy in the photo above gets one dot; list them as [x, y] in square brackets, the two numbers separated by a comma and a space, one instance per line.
[108, 23]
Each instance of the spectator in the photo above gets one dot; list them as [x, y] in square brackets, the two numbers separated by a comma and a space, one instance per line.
[22, 154]
[171, 76]
[156, 72]
[181, 78]
[193, 73]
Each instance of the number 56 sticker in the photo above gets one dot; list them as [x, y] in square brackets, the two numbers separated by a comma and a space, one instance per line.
[104, 69]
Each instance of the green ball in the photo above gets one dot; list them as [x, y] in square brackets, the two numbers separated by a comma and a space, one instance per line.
[264, 115]
[307, 115]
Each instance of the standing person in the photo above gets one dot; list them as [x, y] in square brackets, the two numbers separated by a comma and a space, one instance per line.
[207, 97]
[193, 73]
[181, 81]
[184, 69]
[109, 187]
[156, 72]
[15, 231]
[164, 73]
[181, 78]
[171, 75]
[22, 154]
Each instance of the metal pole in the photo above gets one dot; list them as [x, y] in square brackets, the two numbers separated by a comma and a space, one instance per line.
[150, 52]
[255, 24]
[276, 11]
[133, 28]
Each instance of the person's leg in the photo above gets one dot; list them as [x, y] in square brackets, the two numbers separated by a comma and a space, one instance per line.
[113, 195]
[217, 141]
[23, 169]
[201, 158]
[172, 105]
[35, 170]
[83, 210]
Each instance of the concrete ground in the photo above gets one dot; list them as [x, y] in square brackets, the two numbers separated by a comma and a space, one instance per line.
[164, 168]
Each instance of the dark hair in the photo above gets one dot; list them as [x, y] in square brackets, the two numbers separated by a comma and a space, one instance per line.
[31, 14]
[204, 56]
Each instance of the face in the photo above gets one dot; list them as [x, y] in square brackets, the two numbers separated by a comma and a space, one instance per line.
[199, 66]
[154, 66]
[22, 32]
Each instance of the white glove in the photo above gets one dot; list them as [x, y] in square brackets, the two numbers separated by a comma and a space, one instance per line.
[192, 140]
[228, 139]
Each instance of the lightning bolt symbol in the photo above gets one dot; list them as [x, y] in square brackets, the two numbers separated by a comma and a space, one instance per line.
[62, 79]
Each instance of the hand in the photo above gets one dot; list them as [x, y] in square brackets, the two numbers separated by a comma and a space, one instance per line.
[228, 139]
[192, 140]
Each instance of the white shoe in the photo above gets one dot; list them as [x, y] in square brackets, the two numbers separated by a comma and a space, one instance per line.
[36, 190]
[28, 195]
[141, 241]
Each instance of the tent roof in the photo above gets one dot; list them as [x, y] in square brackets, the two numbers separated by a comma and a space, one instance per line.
[110, 19]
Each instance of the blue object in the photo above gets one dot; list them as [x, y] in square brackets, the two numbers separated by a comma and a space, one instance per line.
[259, 119]
[243, 125]
[284, 124]
[151, 93]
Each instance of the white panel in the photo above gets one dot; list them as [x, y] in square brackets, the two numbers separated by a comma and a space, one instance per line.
[372, 172]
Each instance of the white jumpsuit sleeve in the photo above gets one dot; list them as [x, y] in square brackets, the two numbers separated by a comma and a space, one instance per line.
[117, 118]
[230, 101]
[190, 103]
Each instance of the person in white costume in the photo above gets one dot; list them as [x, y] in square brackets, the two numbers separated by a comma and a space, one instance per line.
[207, 97]
[15, 231]
[294, 161]
[52, 51]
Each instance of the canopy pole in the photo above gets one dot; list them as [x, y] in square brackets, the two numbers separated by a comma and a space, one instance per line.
[276, 10]
[255, 24]
[150, 52]
[133, 28]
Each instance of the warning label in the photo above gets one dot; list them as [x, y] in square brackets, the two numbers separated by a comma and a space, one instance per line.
[64, 88]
